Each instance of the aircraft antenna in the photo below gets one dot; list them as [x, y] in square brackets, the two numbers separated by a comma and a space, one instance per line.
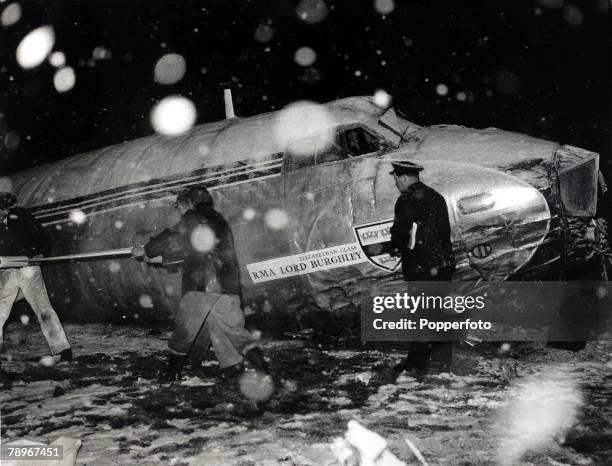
[229, 104]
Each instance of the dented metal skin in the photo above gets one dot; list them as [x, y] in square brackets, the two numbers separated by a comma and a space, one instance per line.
[501, 190]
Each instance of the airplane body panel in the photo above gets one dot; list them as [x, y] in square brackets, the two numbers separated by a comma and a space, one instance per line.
[305, 229]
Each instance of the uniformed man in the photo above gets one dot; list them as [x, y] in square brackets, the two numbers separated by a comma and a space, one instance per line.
[210, 310]
[421, 235]
[22, 235]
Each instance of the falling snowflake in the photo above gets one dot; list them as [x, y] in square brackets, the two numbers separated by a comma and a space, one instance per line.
[101, 53]
[145, 301]
[78, 216]
[34, 47]
[11, 14]
[442, 89]
[203, 149]
[545, 406]
[170, 69]
[248, 214]
[305, 56]
[64, 79]
[173, 116]
[305, 126]
[384, 7]
[256, 386]
[12, 140]
[277, 219]
[572, 15]
[6, 185]
[263, 33]
[382, 99]
[57, 59]
[312, 11]
[203, 238]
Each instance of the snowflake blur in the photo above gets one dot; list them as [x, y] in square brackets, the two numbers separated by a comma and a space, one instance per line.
[304, 126]
[545, 406]
[173, 116]
[35, 47]
[64, 79]
[277, 219]
[170, 69]
[11, 14]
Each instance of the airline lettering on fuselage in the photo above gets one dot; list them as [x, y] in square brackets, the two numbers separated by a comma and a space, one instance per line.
[307, 262]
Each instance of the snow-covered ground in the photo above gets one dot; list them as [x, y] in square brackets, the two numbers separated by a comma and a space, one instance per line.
[109, 399]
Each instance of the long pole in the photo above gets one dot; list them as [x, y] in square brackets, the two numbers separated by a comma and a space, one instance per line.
[9, 262]
[86, 255]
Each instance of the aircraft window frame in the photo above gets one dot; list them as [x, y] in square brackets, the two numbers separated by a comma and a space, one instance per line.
[377, 139]
[341, 152]
[297, 162]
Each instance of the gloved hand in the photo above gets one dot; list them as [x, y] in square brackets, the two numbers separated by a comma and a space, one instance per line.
[138, 252]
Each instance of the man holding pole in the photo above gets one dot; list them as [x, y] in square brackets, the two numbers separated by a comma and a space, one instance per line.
[22, 235]
[210, 309]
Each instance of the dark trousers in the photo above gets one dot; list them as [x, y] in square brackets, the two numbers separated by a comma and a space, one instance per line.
[422, 354]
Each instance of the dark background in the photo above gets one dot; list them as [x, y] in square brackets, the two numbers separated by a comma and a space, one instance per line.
[540, 67]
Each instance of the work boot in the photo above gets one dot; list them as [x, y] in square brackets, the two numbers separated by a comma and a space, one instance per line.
[66, 355]
[62, 356]
[172, 373]
[232, 372]
[256, 358]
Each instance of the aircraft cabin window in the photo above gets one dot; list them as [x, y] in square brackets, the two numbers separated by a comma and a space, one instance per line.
[360, 142]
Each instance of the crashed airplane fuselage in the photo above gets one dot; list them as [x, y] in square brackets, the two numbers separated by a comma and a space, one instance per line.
[309, 223]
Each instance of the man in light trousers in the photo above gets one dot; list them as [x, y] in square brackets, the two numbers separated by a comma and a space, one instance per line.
[22, 235]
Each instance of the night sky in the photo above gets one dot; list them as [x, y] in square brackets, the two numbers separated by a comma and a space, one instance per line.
[542, 67]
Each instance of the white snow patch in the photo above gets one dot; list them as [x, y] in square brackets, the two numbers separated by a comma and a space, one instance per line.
[196, 382]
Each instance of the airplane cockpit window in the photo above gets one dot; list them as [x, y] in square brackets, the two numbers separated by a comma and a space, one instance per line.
[314, 150]
[317, 149]
[360, 142]
[329, 153]
[301, 153]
